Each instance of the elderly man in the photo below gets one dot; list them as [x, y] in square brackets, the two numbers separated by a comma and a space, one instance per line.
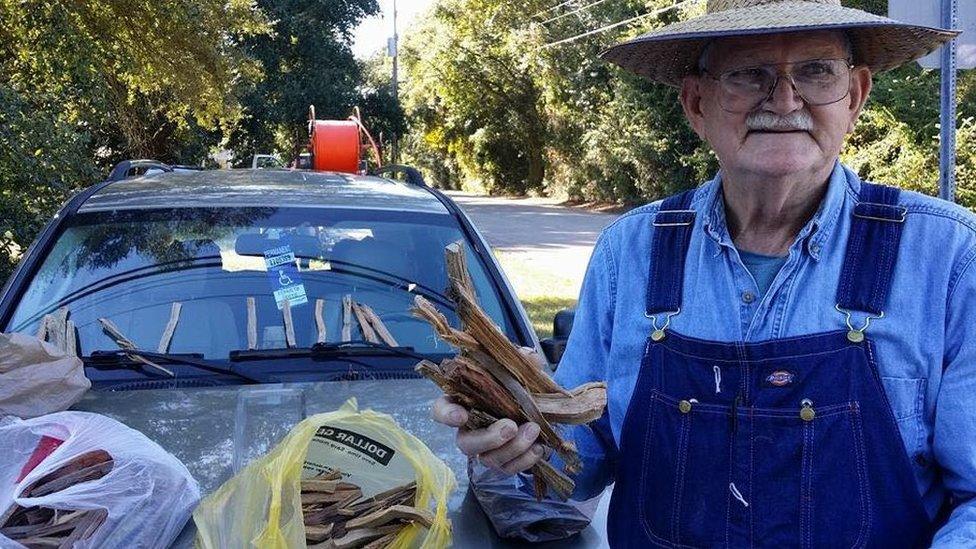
[790, 352]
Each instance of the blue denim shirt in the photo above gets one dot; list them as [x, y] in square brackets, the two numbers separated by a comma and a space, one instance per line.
[926, 343]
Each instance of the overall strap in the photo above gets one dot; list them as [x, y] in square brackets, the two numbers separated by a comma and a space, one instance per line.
[673, 224]
[872, 250]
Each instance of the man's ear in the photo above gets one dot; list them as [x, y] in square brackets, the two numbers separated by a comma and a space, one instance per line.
[691, 99]
[861, 83]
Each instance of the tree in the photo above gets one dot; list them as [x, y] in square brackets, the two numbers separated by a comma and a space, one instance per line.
[84, 84]
[381, 111]
[305, 60]
[472, 95]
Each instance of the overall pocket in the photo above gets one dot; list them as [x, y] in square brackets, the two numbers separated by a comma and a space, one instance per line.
[810, 478]
[906, 397]
[683, 499]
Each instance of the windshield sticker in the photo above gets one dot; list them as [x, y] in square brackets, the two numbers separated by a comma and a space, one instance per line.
[286, 283]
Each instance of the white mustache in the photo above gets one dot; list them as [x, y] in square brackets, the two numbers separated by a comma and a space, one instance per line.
[767, 121]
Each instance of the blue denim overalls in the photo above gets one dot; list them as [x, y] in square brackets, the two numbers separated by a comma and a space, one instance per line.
[781, 443]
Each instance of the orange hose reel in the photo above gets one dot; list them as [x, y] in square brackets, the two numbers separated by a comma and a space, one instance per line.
[336, 146]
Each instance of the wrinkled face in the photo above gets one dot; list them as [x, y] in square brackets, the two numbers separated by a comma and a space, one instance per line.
[782, 136]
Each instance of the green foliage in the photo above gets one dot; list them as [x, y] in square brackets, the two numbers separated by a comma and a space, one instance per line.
[85, 84]
[610, 136]
[41, 159]
[472, 98]
[382, 113]
[305, 60]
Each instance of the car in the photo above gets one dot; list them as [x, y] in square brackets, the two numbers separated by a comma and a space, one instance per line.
[265, 161]
[232, 290]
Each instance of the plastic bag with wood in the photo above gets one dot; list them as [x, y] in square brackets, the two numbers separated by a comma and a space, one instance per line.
[76, 479]
[38, 377]
[343, 479]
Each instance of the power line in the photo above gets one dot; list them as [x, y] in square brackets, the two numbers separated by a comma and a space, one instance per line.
[556, 7]
[574, 12]
[618, 24]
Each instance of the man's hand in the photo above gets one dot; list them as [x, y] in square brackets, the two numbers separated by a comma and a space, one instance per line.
[503, 446]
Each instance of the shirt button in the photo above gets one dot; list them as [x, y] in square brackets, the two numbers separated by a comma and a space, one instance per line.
[815, 249]
[748, 297]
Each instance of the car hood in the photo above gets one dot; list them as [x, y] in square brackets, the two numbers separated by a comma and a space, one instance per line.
[198, 425]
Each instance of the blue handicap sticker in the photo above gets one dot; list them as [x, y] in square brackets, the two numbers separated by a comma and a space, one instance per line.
[286, 282]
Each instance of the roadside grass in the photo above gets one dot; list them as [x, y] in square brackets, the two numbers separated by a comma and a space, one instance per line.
[541, 292]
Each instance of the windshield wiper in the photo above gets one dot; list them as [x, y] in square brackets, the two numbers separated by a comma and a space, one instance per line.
[121, 358]
[328, 350]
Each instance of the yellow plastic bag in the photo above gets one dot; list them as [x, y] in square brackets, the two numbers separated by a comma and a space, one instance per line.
[261, 505]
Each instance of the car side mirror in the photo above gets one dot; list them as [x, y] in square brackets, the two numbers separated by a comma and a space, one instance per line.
[555, 346]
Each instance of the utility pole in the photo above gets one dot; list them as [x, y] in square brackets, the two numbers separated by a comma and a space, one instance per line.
[393, 51]
[947, 182]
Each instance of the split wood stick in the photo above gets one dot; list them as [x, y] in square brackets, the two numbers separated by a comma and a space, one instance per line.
[44, 530]
[483, 330]
[79, 462]
[10, 514]
[126, 344]
[320, 320]
[252, 325]
[42, 327]
[38, 542]
[71, 338]
[89, 473]
[585, 406]
[346, 318]
[364, 326]
[57, 328]
[361, 536]
[174, 319]
[289, 325]
[562, 485]
[93, 519]
[425, 310]
[382, 542]
[327, 497]
[566, 450]
[315, 485]
[378, 326]
[395, 496]
[390, 514]
[317, 533]
[493, 374]
[457, 267]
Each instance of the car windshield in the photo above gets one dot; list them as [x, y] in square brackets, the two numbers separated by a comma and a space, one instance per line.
[232, 270]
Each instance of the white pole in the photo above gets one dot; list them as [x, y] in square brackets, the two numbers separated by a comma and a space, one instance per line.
[947, 158]
[396, 83]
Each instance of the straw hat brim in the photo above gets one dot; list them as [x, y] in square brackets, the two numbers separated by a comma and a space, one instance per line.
[670, 53]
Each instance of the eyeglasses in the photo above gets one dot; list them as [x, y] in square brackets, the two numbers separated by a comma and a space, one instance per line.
[817, 81]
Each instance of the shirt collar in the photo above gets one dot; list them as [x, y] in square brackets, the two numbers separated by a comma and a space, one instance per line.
[814, 234]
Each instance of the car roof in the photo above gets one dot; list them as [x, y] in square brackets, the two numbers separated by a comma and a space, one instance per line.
[262, 188]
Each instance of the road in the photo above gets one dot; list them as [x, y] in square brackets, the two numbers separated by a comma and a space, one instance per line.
[552, 238]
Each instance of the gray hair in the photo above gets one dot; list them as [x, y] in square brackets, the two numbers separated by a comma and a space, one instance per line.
[707, 51]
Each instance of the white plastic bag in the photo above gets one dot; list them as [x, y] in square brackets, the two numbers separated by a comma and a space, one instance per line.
[37, 378]
[148, 494]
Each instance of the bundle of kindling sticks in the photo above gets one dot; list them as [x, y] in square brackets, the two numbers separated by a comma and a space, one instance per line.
[495, 379]
[338, 517]
[38, 526]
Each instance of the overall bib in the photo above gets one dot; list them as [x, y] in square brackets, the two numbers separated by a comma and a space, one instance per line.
[780, 443]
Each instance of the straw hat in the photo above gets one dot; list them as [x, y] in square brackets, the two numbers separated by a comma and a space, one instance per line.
[668, 54]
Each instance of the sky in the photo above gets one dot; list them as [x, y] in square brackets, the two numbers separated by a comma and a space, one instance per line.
[372, 33]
